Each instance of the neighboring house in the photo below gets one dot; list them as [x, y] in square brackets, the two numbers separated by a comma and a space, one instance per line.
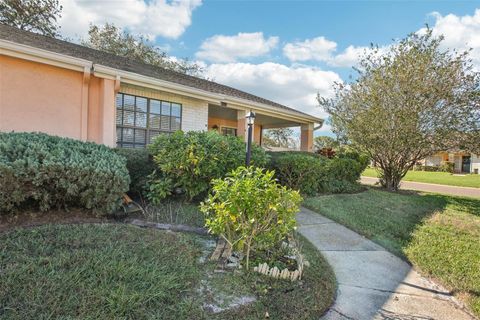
[65, 89]
[462, 162]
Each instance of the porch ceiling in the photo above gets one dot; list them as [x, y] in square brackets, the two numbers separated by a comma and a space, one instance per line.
[266, 121]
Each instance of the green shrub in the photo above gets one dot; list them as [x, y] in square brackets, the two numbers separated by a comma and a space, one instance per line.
[48, 171]
[447, 166]
[140, 166]
[250, 210]
[299, 171]
[187, 162]
[311, 174]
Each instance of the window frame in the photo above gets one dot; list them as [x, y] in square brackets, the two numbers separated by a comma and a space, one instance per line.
[119, 128]
[228, 127]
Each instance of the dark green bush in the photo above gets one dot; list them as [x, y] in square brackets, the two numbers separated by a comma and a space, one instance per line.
[313, 174]
[299, 171]
[140, 166]
[48, 171]
[187, 162]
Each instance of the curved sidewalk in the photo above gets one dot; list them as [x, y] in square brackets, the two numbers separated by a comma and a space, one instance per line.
[430, 187]
[373, 283]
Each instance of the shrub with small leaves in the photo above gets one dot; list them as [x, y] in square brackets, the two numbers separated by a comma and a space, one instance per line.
[187, 162]
[251, 210]
[140, 166]
[52, 172]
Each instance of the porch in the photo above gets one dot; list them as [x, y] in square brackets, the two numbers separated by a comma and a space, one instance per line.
[230, 120]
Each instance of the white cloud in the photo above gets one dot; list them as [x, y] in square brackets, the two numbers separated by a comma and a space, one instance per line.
[461, 33]
[294, 86]
[153, 18]
[221, 48]
[349, 57]
[320, 49]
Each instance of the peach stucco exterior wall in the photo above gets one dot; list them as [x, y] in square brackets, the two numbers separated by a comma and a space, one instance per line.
[57, 101]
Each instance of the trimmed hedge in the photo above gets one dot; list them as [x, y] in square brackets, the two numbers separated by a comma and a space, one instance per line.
[52, 172]
[187, 162]
[312, 173]
[140, 166]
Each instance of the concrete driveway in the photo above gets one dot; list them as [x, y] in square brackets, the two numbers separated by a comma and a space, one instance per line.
[372, 282]
[430, 187]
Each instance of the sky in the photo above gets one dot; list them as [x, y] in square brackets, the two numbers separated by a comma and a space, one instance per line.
[286, 51]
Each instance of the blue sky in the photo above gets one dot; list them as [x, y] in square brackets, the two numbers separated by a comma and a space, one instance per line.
[286, 51]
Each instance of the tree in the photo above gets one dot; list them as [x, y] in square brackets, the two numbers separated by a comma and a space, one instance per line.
[280, 137]
[110, 38]
[32, 15]
[325, 142]
[407, 103]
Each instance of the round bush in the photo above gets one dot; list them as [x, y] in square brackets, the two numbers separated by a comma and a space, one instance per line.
[48, 171]
[140, 166]
[189, 161]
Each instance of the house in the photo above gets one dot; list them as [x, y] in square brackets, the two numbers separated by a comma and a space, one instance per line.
[463, 162]
[65, 89]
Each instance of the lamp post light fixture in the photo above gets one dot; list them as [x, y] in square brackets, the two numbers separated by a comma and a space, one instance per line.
[250, 120]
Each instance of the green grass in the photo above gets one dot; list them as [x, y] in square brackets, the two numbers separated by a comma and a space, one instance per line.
[439, 234]
[100, 271]
[115, 271]
[468, 180]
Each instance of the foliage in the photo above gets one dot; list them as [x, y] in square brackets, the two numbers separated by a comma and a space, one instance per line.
[446, 166]
[407, 103]
[32, 15]
[299, 171]
[50, 171]
[281, 137]
[439, 234]
[250, 210]
[325, 142]
[140, 166]
[310, 173]
[187, 162]
[112, 39]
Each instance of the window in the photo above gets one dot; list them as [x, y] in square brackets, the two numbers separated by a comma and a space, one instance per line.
[140, 119]
[229, 131]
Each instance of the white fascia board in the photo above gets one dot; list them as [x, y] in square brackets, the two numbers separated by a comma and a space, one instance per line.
[29, 53]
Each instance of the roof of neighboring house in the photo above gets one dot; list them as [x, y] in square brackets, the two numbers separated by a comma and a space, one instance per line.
[16, 35]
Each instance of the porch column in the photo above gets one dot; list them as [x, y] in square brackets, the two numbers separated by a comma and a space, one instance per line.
[306, 137]
[107, 111]
[242, 124]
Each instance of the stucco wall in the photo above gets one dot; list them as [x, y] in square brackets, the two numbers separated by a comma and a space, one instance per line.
[475, 159]
[194, 111]
[44, 98]
[39, 97]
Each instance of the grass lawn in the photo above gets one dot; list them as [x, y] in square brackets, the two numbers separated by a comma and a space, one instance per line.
[439, 234]
[469, 180]
[117, 271]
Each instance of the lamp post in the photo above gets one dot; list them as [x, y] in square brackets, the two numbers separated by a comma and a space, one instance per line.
[250, 120]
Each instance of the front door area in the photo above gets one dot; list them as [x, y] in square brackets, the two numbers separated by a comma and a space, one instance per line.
[466, 164]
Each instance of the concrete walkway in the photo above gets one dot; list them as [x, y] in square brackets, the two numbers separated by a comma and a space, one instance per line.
[373, 283]
[430, 187]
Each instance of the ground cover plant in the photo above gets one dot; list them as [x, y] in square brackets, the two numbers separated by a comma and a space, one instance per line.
[100, 271]
[468, 180]
[439, 234]
[187, 162]
[47, 172]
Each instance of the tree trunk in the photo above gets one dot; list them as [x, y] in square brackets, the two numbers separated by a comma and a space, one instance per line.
[390, 179]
